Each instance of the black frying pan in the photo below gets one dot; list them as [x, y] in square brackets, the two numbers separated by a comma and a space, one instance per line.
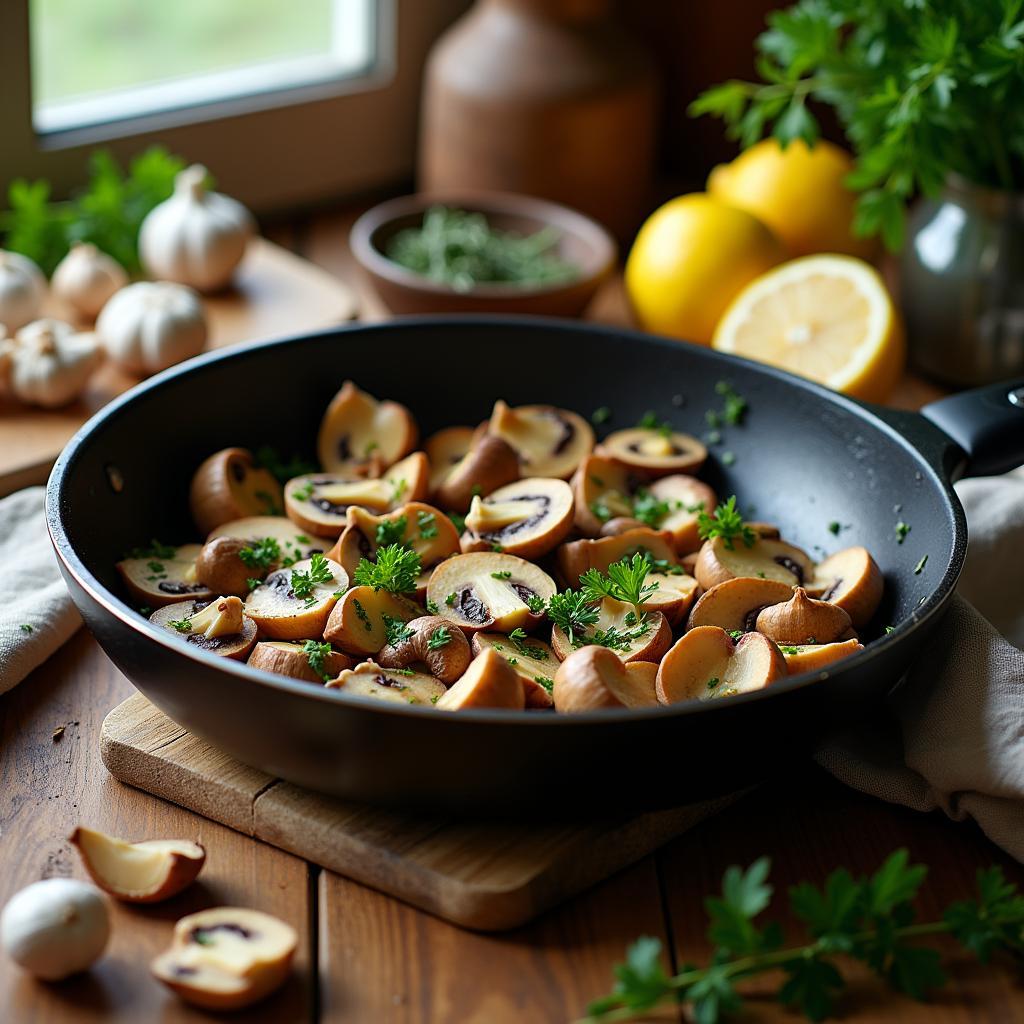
[804, 457]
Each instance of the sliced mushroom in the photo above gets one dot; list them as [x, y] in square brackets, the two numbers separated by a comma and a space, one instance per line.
[650, 639]
[489, 464]
[549, 441]
[620, 524]
[220, 566]
[527, 518]
[767, 530]
[852, 580]
[290, 658]
[397, 686]
[655, 452]
[361, 436]
[359, 622]
[218, 626]
[490, 591]
[154, 580]
[489, 682]
[736, 603]
[764, 559]
[815, 657]
[229, 485]
[294, 542]
[602, 490]
[431, 641]
[705, 664]
[802, 620]
[281, 614]
[445, 450]
[686, 497]
[532, 659]
[593, 678]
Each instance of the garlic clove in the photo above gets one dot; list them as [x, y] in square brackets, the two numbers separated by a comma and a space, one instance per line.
[22, 290]
[803, 620]
[51, 362]
[86, 279]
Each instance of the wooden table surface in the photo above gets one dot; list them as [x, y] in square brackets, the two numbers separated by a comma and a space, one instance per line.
[365, 958]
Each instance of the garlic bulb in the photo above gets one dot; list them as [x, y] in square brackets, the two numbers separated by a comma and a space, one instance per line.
[195, 237]
[152, 325]
[22, 290]
[55, 927]
[86, 278]
[51, 362]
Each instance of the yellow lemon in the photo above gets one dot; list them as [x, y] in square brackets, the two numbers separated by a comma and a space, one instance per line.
[829, 318]
[690, 259]
[798, 192]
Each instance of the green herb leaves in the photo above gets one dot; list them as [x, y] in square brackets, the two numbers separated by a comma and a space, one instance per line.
[319, 572]
[727, 523]
[391, 531]
[439, 638]
[315, 653]
[572, 612]
[262, 554]
[626, 581]
[396, 630]
[395, 570]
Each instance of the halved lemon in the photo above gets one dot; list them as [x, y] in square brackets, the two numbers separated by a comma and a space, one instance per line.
[828, 318]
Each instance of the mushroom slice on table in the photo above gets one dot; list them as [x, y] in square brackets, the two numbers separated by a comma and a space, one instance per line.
[764, 559]
[432, 641]
[814, 657]
[156, 580]
[527, 518]
[489, 682]
[736, 603]
[646, 640]
[294, 542]
[359, 622]
[295, 603]
[229, 485]
[291, 658]
[398, 686]
[705, 664]
[595, 677]
[549, 441]
[654, 453]
[534, 661]
[445, 451]
[219, 626]
[489, 464]
[490, 590]
[802, 620]
[685, 498]
[852, 580]
[361, 436]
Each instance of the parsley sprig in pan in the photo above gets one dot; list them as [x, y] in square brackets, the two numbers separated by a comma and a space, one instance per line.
[870, 919]
[727, 523]
[395, 570]
[303, 582]
[626, 581]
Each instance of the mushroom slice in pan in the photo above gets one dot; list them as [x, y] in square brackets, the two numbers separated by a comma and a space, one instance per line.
[218, 626]
[602, 489]
[705, 664]
[431, 641]
[359, 622]
[489, 464]
[489, 682]
[593, 678]
[735, 604]
[397, 686]
[295, 603]
[685, 498]
[815, 657]
[618, 629]
[291, 658]
[360, 436]
[445, 450]
[654, 453]
[852, 580]
[490, 591]
[534, 661]
[154, 578]
[229, 485]
[802, 620]
[527, 518]
[764, 559]
[294, 542]
[548, 441]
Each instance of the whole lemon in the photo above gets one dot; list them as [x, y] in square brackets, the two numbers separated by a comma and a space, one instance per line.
[798, 192]
[690, 259]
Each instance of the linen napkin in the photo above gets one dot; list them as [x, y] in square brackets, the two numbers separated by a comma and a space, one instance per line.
[36, 613]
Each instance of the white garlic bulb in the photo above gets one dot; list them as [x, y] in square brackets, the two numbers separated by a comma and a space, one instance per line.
[51, 362]
[55, 928]
[151, 325]
[86, 278]
[22, 290]
[195, 237]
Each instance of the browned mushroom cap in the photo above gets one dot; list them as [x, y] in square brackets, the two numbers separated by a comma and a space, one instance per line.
[619, 524]
[593, 678]
[281, 614]
[490, 591]
[294, 543]
[736, 603]
[360, 436]
[219, 565]
[359, 622]
[432, 641]
[654, 453]
[445, 450]
[229, 485]
[290, 658]
[549, 441]
[218, 626]
[852, 580]
[154, 580]
[686, 497]
[489, 464]
[764, 559]
[528, 518]
[802, 620]
[649, 639]
[397, 686]
[602, 490]
[815, 657]
[489, 682]
[532, 659]
[705, 664]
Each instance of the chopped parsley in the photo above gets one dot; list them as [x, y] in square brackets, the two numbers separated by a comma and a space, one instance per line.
[315, 654]
[519, 638]
[536, 603]
[713, 682]
[650, 421]
[450, 599]
[303, 583]
[661, 565]
[262, 554]
[25, 628]
[495, 546]
[181, 625]
[458, 520]
[426, 523]
[600, 415]
[920, 565]
[155, 550]
[395, 570]
[572, 612]
[503, 574]
[789, 650]
[600, 511]
[735, 405]
[273, 509]
[283, 470]
[435, 698]
[432, 607]
[303, 493]
[727, 523]
[834, 527]
[713, 437]
[396, 630]
[548, 684]
[252, 582]
[391, 531]
[398, 489]
[361, 615]
[728, 458]
[648, 509]
[736, 633]
[890, 629]
[902, 529]
[615, 639]
[439, 638]
[625, 580]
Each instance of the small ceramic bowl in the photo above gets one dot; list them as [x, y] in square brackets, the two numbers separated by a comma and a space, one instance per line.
[582, 242]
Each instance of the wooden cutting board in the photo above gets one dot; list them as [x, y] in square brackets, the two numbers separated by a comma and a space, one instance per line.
[275, 292]
[484, 876]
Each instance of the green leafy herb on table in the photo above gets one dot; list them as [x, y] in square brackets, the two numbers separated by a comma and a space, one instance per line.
[727, 523]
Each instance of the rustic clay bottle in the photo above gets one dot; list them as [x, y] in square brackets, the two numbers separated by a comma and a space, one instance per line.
[544, 97]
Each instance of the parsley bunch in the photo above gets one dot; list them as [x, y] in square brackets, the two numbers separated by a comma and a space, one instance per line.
[921, 90]
[626, 581]
[727, 523]
[870, 919]
[395, 570]
[261, 554]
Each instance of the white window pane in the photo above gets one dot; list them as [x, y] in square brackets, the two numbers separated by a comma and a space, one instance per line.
[101, 60]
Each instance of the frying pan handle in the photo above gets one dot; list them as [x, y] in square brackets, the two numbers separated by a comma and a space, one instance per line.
[988, 425]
